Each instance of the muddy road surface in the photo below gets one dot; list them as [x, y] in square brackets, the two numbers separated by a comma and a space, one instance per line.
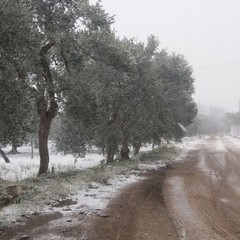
[197, 199]
[202, 195]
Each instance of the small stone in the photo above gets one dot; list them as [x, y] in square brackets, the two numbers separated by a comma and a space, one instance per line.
[169, 166]
[24, 237]
[108, 183]
[81, 212]
[69, 220]
[67, 209]
[104, 215]
[90, 195]
[14, 190]
[93, 186]
[35, 213]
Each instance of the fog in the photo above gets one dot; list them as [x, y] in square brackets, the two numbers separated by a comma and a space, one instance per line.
[206, 32]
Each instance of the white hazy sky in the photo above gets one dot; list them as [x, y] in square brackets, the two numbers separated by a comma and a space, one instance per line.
[206, 32]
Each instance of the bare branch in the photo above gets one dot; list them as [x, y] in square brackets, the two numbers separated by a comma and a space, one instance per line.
[65, 60]
[48, 76]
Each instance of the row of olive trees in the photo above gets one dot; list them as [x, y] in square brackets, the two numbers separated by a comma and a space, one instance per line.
[62, 55]
[115, 105]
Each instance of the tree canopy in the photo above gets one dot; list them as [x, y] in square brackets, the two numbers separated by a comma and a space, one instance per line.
[114, 107]
[62, 57]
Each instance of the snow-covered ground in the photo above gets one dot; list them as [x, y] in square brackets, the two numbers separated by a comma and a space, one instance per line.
[90, 198]
[22, 166]
[234, 141]
[188, 144]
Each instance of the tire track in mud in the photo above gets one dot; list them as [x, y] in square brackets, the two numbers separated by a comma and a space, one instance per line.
[204, 182]
[138, 213]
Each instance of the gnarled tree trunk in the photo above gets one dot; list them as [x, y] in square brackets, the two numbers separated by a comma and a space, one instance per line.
[43, 133]
[14, 149]
[46, 105]
[111, 150]
[111, 153]
[136, 148]
[125, 150]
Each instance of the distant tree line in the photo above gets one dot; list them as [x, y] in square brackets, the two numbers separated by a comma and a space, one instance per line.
[61, 58]
[213, 120]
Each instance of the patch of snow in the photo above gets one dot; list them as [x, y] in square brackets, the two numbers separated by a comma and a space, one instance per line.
[98, 197]
[89, 200]
[21, 165]
[52, 237]
[219, 146]
[147, 167]
[235, 141]
[185, 216]
[14, 212]
[188, 144]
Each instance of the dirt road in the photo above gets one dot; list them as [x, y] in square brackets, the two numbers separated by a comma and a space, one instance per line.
[196, 200]
[202, 195]
[200, 199]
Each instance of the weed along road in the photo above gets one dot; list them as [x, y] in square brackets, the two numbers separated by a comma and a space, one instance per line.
[197, 198]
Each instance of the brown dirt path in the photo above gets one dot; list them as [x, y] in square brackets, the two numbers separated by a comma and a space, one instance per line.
[203, 193]
[200, 199]
[138, 213]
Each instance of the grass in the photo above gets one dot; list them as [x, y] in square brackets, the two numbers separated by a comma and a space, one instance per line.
[49, 189]
[53, 187]
[159, 154]
[99, 173]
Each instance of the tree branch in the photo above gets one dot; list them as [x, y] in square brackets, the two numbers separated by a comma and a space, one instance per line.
[64, 60]
[48, 76]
